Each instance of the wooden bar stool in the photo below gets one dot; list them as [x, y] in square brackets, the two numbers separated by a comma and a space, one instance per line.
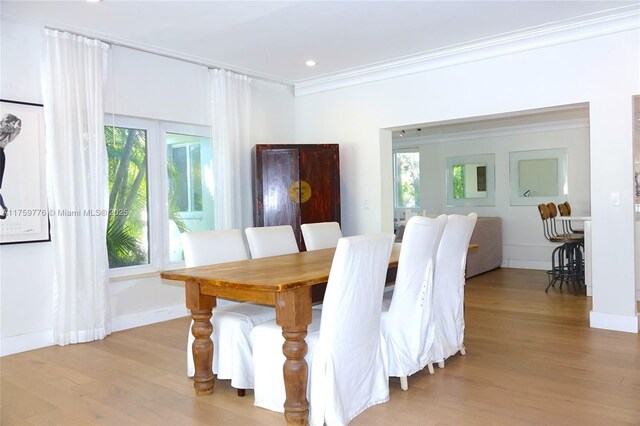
[566, 259]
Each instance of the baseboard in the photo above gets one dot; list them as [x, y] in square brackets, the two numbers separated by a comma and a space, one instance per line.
[526, 264]
[125, 322]
[28, 342]
[628, 323]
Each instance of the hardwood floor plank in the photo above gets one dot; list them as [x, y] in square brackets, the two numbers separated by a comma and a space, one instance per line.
[19, 403]
[56, 417]
[531, 360]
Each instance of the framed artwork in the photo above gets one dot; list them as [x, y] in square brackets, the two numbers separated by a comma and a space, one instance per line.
[470, 180]
[538, 176]
[24, 216]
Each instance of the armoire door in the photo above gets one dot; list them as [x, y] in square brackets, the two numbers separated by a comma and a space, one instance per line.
[296, 184]
[277, 205]
[320, 177]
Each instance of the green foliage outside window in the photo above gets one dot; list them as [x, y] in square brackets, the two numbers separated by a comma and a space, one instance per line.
[458, 181]
[127, 233]
[407, 171]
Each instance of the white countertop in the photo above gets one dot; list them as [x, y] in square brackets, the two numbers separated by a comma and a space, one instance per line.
[578, 218]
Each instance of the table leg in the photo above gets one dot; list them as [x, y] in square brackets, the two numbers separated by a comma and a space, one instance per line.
[293, 314]
[201, 310]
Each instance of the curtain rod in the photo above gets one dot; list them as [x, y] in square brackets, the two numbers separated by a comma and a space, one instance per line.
[176, 57]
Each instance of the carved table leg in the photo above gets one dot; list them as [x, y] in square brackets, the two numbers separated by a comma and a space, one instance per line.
[293, 314]
[201, 307]
[202, 351]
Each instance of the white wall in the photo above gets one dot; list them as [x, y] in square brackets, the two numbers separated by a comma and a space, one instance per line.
[603, 71]
[524, 245]
[140, 84]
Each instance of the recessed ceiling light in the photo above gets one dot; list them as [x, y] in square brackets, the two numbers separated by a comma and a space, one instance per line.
[92, 1]
[310, 63]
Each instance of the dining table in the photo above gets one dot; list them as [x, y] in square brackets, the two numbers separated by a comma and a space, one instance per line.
[286, 282]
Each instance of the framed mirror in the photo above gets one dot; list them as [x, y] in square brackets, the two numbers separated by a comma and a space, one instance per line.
[538, 176]
[470, 180]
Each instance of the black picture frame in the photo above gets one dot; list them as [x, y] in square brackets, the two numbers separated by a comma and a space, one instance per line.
[23, 175]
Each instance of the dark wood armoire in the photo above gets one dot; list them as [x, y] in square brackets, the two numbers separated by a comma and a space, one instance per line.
[296, 184]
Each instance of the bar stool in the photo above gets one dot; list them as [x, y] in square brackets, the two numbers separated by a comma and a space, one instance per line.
[565, 210]
[566, 259]
[576, 244]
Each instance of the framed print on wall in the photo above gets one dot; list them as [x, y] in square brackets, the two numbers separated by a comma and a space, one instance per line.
[538, 176]
[24, 216]
[470, 180]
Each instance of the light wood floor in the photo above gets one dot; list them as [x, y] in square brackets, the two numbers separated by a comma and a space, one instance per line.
[531, 359]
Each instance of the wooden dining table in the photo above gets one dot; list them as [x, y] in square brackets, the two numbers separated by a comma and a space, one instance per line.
[285, 282]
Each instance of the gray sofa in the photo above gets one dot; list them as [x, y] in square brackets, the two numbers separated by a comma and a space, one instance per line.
[488, 235]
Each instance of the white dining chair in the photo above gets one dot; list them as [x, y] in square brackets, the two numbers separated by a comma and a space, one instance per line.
[346, 353]
[269, 241]
[232, 321]
[408, 326]
[321, 235]
[448, 287]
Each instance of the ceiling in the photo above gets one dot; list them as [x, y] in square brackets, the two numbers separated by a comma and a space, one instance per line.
[273, 39]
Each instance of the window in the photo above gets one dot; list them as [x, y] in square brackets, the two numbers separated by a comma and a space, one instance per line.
[406, 173]
[185, 175]
[160, 185]
[189, 184]
[128, 224]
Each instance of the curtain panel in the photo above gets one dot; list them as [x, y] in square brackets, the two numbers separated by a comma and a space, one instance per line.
[74, 76]
[230, 124]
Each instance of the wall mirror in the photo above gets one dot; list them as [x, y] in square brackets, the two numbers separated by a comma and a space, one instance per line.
[470, 180]
[538, 176]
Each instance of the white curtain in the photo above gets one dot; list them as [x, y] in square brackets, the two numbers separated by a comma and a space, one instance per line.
[74, 75]
[230, 111]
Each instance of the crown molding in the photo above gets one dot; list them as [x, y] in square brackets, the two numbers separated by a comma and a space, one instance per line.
[592, 25]
[412, 141]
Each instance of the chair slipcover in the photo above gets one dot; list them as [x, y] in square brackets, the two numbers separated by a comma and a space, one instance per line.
[267, 341]
[271, 241]
[408, 326]
[321, 235]
[448, 288]
[232, 321]
[348, 358]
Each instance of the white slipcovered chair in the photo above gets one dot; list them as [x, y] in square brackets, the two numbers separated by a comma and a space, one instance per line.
[321, 235]
[448, 287]
[346, 352]
[408, 326]
[232, 321]
[269, 241]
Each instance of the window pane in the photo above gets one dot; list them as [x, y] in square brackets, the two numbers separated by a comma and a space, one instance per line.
[407, 179]
[178, 179]
[195, 178]
[190, 179]
[127, 232]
